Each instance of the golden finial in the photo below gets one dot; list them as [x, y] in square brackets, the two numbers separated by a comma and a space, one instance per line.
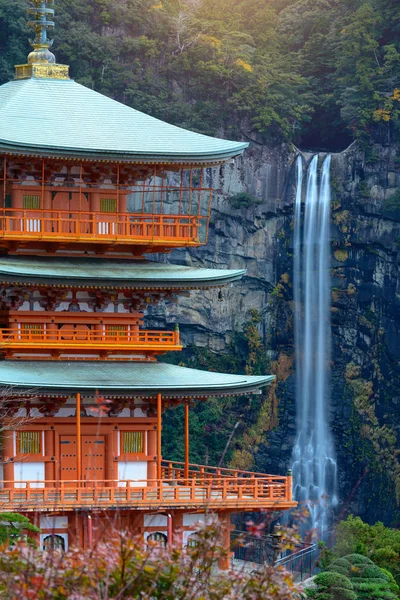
[41, 62]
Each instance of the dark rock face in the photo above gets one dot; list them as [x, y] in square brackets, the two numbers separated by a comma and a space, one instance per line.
[365, 376]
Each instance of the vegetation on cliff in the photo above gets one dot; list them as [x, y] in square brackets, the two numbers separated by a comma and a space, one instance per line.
[318, 72]
[242, 421]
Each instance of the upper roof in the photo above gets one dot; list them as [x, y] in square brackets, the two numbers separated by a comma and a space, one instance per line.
[62, 117]
[118, 273]
[123, 378]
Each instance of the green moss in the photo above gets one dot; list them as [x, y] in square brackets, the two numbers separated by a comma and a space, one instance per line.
[341, 255]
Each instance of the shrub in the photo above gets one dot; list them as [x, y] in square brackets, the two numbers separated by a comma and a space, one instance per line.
[243, 200]
[343, 562]
[328, 579]
[358, 559]
[372, 590]
[361, 571]
[368, 581]
[338, 569]
[391, 207]
[380, 543]
[332, 586]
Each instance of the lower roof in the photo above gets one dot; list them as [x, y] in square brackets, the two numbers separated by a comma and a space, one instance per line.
[96, 272]
[122, 378]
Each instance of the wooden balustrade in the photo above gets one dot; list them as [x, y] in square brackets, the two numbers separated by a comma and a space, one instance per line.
[267, 492]
[176, 469]
[121, 228]
[68, 338]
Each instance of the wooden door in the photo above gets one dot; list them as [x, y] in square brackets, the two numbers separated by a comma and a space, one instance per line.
[93, 457]
[68, 458]
[71, 205]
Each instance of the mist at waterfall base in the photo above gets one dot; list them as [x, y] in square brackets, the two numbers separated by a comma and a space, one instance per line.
[314, 465]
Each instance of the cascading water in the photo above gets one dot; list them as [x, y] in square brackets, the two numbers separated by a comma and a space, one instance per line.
[314, 465]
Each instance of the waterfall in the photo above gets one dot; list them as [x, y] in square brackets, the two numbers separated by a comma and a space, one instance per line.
[314, 465]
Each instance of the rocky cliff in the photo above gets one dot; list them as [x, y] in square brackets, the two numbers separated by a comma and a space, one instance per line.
[255, 232]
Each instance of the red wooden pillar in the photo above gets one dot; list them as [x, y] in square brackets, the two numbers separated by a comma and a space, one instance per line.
[225, 540]
[152, 454]
[177, 529]
[159, 429]
[8, 452]
[186, 441]
[49, 466]
[78, 438]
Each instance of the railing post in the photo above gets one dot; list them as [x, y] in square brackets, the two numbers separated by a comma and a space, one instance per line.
[186, 470]
[289, 488]
[159, 428]
[78, 437]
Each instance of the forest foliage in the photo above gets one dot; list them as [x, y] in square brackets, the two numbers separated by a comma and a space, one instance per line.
[316, 72]
[223, 429]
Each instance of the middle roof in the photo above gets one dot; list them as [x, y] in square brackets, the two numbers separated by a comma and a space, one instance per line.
[87, 272]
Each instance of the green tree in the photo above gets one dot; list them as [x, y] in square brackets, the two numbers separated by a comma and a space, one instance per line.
[15, 527]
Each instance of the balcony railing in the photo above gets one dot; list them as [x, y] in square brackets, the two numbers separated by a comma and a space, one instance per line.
[268, 492]
[90, 227]
[69, 338]
[176, 470]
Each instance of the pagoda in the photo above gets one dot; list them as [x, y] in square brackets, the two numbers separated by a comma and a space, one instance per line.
[88, 188]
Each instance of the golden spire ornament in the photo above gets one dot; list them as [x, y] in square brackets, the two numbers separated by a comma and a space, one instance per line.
[41, 62]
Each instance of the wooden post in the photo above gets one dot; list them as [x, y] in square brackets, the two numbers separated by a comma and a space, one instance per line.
[78, 438]
[152, 454]
[225, 540]
[90, 531]
[177, 529]
[186, 473]
[159, 428]
[8, 452]
[289, 488]
[49, 467]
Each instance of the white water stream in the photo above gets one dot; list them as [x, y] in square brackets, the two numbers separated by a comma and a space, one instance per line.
[314, 465]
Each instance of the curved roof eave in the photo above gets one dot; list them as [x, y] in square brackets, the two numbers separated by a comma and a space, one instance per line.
[132, 274]
[123, 378]
[102, 155]
[53, 117]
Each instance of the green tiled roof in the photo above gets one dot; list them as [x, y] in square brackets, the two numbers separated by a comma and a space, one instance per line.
[47, 116]
[123, 378]
[102, 272]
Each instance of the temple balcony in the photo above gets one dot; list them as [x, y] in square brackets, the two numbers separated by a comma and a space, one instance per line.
[70, 340]
[203, 487]
[60, 226]
[58, 206]
[63, 334]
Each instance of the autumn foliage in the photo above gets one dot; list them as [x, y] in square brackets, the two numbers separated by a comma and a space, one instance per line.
[123, 569]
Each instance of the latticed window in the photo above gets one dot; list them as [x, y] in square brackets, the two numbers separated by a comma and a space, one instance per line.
[108, 205]
[29, 442]
[33, 328]
[133, 442]
[119, 331]
[31, 202]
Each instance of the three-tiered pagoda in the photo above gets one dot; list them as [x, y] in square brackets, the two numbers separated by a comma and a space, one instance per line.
[88, 187]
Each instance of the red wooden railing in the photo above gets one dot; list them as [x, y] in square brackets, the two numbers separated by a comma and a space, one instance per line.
[69, 337]
[124, 228]
[235, 492]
